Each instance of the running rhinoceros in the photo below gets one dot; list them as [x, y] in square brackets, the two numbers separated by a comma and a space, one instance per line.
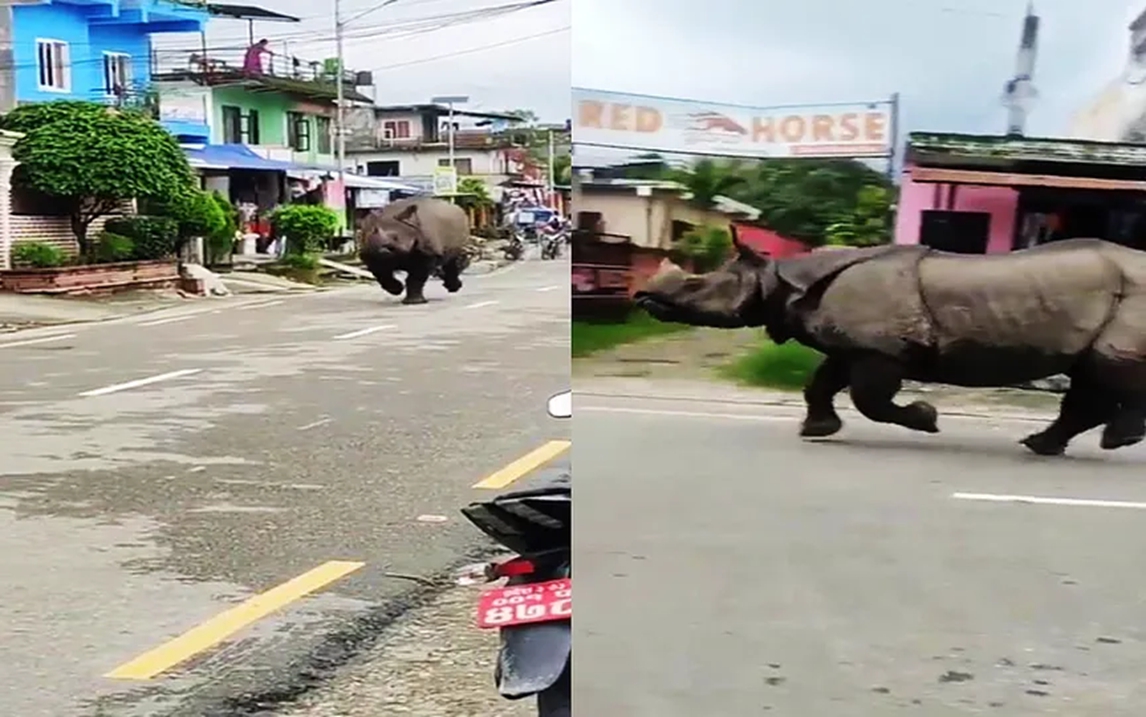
[421, 236]
[884, 314]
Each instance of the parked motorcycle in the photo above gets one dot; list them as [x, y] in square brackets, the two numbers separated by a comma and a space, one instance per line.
[533, 610]
[515, 248]
[551, 245]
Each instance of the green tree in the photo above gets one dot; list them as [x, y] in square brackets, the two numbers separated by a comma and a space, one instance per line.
[536, 142]
[707, 179]
[92, 158]
[475, 193]
[707, 247]
[869, 223]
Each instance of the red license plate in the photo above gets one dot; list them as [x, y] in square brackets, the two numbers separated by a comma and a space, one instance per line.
[523, 604]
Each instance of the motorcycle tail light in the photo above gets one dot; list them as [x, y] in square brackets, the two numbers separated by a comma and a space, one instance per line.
[512, 567]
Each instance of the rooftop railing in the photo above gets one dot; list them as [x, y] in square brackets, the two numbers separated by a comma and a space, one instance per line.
[208, 64]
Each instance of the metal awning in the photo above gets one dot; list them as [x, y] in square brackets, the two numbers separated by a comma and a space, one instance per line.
[248, 12]
[1014, 179]
[361, 181]
[232, 156]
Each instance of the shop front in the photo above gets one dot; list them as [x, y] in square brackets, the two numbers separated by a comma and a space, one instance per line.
[977, 194]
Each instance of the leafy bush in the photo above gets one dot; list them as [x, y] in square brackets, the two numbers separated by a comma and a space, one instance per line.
[114, 247]
[306, 227]
[224, 238]
[196, 212]
[38, 254]
[154, 237]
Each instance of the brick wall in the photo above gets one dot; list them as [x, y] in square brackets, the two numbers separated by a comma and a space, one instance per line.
[55, 230]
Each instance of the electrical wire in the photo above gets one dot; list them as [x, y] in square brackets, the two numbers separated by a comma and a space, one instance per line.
[427, 23]
[382, 68]
[472, 50]
[450, 20]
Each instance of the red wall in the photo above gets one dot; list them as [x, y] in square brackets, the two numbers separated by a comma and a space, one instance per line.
[769, 242]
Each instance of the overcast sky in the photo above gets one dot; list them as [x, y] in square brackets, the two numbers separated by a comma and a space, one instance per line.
[522, 72]
[948, 59]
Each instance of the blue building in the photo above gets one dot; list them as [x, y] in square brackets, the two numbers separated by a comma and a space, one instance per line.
[95, 50]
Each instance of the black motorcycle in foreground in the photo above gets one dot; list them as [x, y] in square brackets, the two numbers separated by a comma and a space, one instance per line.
[533, 610]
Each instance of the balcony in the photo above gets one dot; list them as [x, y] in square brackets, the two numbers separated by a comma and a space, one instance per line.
[310, 79]
[153, 16]
[377, 140]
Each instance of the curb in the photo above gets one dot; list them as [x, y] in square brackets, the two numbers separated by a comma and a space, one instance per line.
[966, 412]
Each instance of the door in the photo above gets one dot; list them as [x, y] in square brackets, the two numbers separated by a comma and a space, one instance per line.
[956, 232]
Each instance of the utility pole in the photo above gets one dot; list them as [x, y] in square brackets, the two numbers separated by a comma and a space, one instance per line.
[552, 174]
[1019, 92]
[340, 110]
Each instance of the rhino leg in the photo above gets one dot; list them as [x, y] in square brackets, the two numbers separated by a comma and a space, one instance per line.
[830, 377]
[417, 274]
[383, 272]
[1085, 405]
[452, 275]
[874, 382]
[1128, 426]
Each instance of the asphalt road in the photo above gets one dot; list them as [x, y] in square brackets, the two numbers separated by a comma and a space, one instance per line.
[725, 567]
[159, 470]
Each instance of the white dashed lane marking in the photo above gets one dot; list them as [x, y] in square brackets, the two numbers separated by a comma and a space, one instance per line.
[363, 332]
[139, 383]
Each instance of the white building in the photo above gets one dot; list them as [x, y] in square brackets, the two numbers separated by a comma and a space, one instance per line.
[411, 141]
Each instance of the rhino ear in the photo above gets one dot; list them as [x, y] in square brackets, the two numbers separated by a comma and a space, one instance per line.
[407, 214]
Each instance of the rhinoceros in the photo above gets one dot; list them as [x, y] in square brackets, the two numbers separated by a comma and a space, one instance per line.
[421, 236]
[882, 315]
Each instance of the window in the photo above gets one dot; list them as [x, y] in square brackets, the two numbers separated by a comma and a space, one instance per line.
[116, 73]
[239, 128]
[396, 129]
[383, 168]
[232, 124]
[464, 165]
[251, 127]
[53, 63]
[298, 131]
[322, 130]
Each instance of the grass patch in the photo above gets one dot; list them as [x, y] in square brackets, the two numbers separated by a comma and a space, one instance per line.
[786, 366]
[589, 337]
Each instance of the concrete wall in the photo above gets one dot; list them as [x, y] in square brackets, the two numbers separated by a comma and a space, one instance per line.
[1000, 202]
[272, 108]
[86, 47]
[646, 220]
[422, 163]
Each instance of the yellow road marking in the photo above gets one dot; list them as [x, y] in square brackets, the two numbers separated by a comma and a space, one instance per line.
[223, 625]
[522, 466]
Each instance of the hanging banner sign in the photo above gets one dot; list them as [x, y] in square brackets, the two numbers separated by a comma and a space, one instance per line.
[655, 124]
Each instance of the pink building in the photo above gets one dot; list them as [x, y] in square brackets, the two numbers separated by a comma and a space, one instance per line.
[978, 194]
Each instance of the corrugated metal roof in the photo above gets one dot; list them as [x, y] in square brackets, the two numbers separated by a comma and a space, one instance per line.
[925, 146]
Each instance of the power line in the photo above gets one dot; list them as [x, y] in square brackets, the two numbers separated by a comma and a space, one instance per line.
[383, 68]
[372, 8]
[424, 23]
[472, 50]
